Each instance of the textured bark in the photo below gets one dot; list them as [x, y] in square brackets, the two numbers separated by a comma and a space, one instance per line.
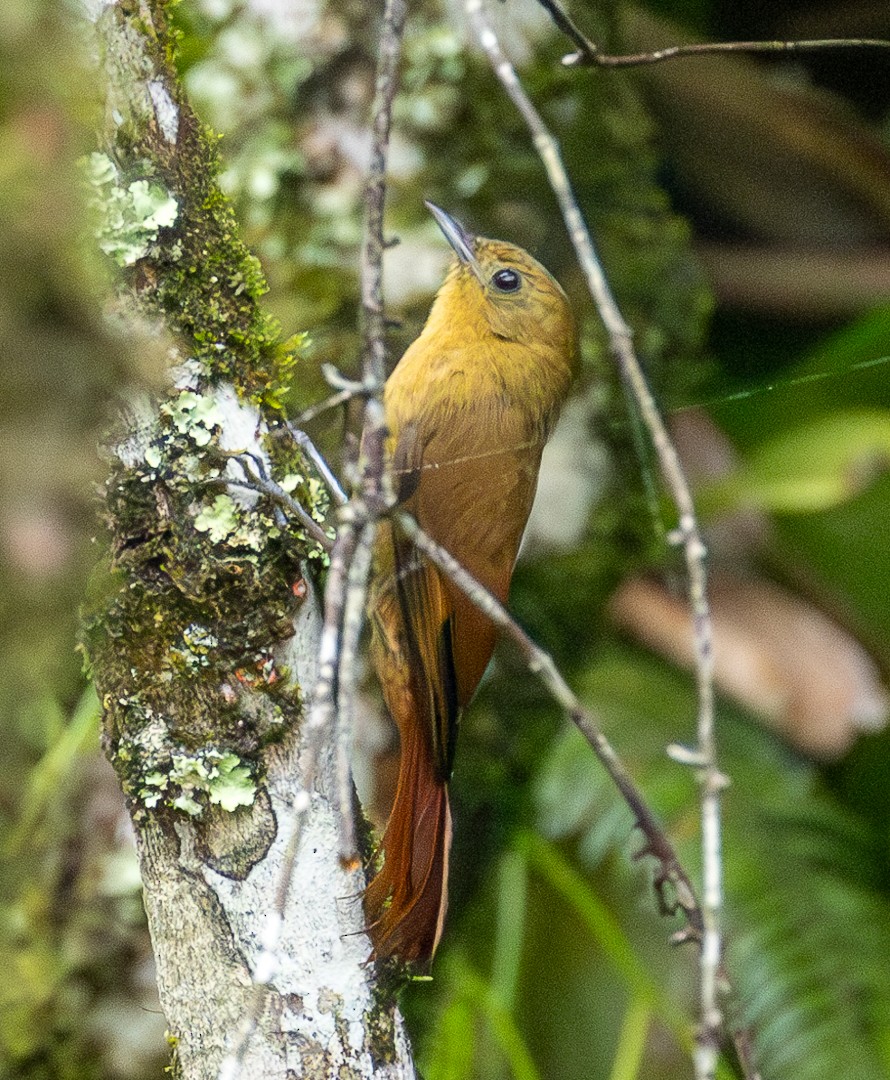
[202, 652]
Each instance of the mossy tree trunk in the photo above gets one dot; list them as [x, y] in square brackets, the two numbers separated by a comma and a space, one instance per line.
[203, 642]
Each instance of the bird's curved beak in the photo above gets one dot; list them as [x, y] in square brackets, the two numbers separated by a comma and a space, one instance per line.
[462, 242]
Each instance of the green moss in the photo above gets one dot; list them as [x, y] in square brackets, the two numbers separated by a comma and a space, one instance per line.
[182, 642]
[183, 637]
[380, 1026]
[201, 277]
[209, 285]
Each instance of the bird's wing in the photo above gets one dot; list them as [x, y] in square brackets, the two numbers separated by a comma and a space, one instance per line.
[442, 481]
[427, 616]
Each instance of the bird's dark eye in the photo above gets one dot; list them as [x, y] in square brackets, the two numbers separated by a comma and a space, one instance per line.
[506, 281]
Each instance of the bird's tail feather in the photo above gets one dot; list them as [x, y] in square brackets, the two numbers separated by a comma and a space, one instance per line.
[405, 902]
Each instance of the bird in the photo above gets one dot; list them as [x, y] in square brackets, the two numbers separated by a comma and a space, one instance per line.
[468, 409]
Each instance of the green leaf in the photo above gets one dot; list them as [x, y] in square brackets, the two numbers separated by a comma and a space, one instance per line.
[632, 1043]
[814, 466]
[512, 898]
[49, 774]
[501, 1023]
[453, 1043]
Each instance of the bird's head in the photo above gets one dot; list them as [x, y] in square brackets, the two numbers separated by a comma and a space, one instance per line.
[498, 289]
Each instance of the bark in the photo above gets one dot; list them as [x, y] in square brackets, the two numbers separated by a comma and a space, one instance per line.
[203, 649]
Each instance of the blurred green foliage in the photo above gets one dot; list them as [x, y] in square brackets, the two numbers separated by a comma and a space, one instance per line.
[554, 962]
[72, 938]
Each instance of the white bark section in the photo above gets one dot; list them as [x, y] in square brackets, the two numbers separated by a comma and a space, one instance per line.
[166, 112]
[213, 928]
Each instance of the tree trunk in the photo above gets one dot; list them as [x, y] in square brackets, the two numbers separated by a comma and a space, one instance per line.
[205, 631]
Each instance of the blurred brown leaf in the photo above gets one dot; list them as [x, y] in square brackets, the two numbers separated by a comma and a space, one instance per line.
[774, 653]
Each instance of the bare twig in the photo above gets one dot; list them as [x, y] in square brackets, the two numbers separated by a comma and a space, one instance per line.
[589, 53]
[710, 48]
[330, 402]
[374, 320]
[370, 499]
[353, 621]
[256, 481]
[671, 875]
[321, 466]
[704, 757]
[351, 552]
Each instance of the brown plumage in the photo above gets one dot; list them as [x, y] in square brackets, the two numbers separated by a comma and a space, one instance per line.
[469, 408]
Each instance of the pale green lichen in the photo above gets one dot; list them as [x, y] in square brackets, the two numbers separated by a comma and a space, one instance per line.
[219, 520]
[130, 215]
[194, 779]
[233, 785]
[194, 415]
[319, 500]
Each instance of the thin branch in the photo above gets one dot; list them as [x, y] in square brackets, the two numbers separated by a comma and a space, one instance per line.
[374, 320]
[345, 390]
[333, 401]
[353, 621]
[671, 874]
[321, 466]
[257, 481]
[711, 48]
[704, 757]
[589, 53]
[351, 553]
[564, 21]
[370, 498]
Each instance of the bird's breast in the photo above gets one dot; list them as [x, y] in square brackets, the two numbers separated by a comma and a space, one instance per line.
[476, 484]
[468, 424]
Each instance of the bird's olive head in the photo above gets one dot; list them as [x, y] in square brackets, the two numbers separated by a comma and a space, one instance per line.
[498, 288]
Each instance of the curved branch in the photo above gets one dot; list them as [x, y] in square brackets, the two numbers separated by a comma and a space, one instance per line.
[589, 53]
[704, 757]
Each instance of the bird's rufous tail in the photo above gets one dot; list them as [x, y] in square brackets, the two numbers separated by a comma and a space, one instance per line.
[405, 902]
